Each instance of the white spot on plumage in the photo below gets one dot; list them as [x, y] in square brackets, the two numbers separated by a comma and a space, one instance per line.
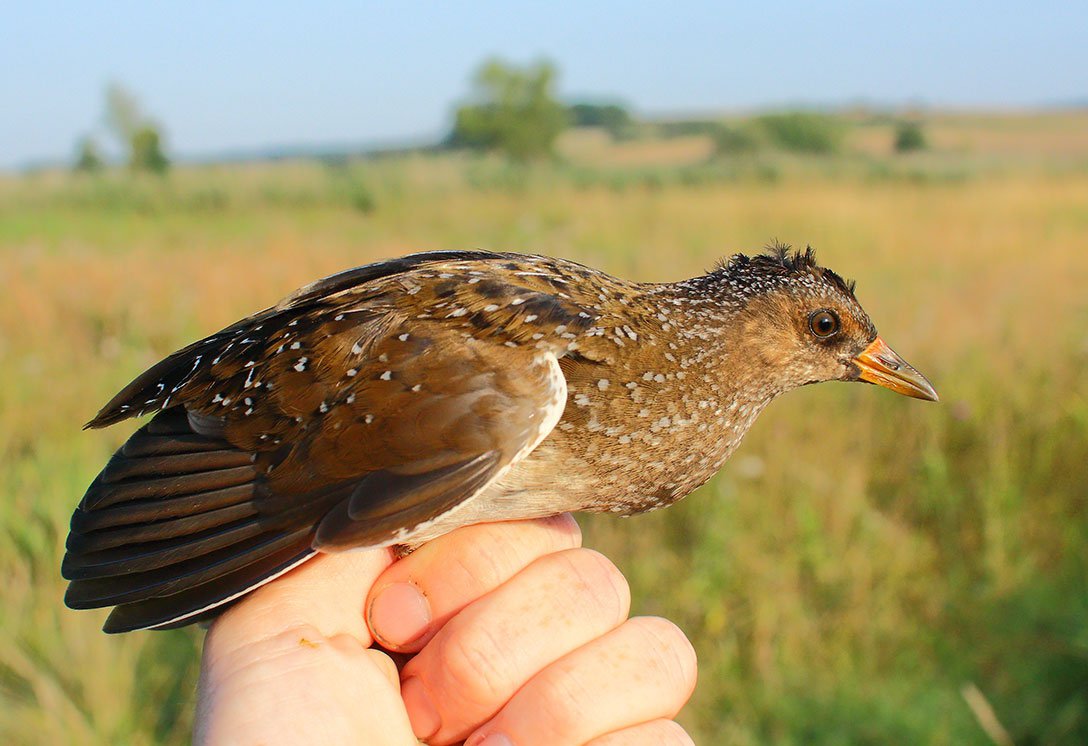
[387, 375]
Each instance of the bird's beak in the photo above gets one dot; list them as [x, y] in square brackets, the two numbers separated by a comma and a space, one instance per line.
[879, 364]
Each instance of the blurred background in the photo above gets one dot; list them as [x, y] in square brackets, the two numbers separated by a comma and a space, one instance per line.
[866, 570]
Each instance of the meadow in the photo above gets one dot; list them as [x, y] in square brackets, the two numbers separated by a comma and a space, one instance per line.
[866, 569]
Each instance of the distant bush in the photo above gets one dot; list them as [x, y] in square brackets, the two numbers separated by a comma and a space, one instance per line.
[613, 118]
[729, 140]
[147, 153]
[688, 127]
[88, 158]
[802, 132]
[909, 137]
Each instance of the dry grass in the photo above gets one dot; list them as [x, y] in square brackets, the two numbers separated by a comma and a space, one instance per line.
[859, 562]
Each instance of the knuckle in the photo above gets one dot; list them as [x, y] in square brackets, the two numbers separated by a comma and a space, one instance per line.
[656, 732]
[565, 703]
[566, 529]
[475, 666]
[347, 645]
[670, 733]
[671, 654]
[488, 565]
[597, 579]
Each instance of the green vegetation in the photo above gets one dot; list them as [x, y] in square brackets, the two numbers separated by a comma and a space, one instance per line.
[909, 136]
[146, 147]
[513, 111]
[613, 118]
[732, 140]
[137, 134]
[865, 570]
[802, 131]
[88, 158]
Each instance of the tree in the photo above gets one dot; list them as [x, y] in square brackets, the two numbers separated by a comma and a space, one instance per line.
[123, 116]
[908, 137]
[147, 152]
[88, 157]
[512, 110]
[137, 133]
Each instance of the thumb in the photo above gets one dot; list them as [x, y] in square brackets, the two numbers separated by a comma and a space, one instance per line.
[327, 593]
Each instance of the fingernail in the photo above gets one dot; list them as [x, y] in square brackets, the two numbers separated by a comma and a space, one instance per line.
[399, 614]
[421, 710]
[494, 739]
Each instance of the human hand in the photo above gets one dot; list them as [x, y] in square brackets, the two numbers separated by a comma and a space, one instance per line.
[517, 632]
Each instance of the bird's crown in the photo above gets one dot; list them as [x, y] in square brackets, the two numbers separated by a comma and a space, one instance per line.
[780, 265]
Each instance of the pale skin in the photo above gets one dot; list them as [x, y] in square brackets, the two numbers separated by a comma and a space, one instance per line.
[518, 636]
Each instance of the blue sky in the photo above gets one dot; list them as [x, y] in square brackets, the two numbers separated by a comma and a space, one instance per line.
[246, 75]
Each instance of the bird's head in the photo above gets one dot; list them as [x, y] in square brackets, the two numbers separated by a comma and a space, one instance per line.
[804, 323]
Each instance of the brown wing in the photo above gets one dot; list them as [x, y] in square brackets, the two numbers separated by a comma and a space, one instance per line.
[353, 423]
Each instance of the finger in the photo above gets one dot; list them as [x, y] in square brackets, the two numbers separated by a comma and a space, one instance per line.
[386, 665]
[326, 592]
[641, 671]
[418, 594]
[300, 687]
[653, 733]
[487, 652]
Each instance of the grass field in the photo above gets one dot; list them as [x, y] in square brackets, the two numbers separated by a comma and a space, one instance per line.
[866, 570]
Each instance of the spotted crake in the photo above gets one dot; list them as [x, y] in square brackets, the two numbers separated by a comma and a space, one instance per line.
[395, 402]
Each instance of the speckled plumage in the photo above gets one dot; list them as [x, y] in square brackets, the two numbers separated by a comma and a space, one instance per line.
[395, 402]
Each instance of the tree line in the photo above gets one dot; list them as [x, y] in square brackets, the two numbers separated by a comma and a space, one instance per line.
[516, 111]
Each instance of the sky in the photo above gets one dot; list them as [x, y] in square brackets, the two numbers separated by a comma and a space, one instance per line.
[245, 76]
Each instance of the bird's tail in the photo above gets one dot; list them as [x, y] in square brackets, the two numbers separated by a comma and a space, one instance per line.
[171, 531]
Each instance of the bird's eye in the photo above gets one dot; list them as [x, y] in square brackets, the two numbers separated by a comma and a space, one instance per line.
[823, 323]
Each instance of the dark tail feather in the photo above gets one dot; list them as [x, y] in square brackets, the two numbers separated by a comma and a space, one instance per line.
[171, 531]
[205, 601]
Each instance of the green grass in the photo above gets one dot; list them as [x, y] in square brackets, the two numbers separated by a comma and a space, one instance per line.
[860, 560]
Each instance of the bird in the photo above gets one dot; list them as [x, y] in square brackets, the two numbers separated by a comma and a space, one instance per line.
[391, 403]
